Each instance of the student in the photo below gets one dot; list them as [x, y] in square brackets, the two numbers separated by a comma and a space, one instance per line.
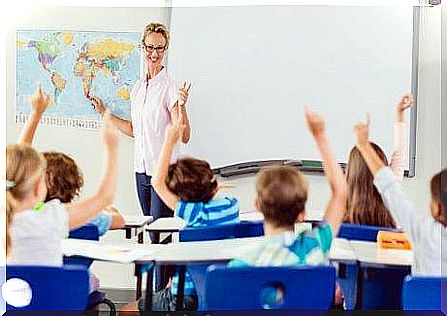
[428, 234]
[36, 229]
[281, 198]
[188, 187]
[364, 204]
[64, 179]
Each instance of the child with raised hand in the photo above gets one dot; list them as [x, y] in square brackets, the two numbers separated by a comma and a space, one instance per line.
[428, 234]
[64, 179]
[281, 198]
[188, 187]
[36, 229]
[364, 204]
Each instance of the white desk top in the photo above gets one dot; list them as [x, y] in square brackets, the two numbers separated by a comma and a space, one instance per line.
[167, 224]
[368, 253]
[227, 249]
[137, 221]
[257, 216]
[108, 252]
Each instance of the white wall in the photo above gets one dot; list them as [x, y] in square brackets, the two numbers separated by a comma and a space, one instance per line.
[84, 145]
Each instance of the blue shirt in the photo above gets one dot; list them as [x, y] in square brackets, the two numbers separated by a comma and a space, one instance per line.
[199, 214]
[103, 221]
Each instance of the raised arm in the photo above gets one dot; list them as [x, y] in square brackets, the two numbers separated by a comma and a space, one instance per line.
[123, 125]
[336, 207]
[180, 106]
[80, 213]
[172, 136]
[388, 186]
[40, 101]
[399, 155]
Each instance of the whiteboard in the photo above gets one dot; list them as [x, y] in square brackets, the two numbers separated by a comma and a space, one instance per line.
[253, 68]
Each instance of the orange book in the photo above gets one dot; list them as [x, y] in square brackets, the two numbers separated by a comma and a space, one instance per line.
[393, 240]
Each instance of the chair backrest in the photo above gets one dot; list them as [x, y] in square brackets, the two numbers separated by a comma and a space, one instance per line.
[255, 288]
[225, 231]
[362, 232]
[52, 288]
[86, 232]
[425, 293]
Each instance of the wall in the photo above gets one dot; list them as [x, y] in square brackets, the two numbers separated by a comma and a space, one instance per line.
[84, 145]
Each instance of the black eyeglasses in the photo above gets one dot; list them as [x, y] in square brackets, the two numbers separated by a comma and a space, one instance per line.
[150, 48]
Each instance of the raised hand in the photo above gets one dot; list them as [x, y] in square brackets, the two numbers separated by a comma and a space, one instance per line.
[109, 132]
[184, 93]
[362, 132]
[405, 102]
[315, 122]
[98, 105]
[40, 101]
[175, 130]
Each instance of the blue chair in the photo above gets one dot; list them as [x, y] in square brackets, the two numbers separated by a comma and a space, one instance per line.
[89, 232]
[226, 231]
[381, 288]
[53, 288]
[242, 229]
[425, 293]
[362, 232]
[251, 288]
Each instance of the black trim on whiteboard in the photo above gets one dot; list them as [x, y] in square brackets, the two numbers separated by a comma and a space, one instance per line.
[254, 166]
[414, 89]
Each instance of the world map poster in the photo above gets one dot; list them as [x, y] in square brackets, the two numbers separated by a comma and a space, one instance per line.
[73, 66]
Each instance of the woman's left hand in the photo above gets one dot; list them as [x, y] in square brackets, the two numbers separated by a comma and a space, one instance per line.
[184, 93]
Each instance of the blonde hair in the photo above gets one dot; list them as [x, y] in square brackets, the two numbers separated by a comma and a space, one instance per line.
[364, 204]
[24, 167]
[156, 28]
[281, 195]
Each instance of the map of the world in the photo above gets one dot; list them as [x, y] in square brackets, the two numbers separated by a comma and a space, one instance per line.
[72, 67]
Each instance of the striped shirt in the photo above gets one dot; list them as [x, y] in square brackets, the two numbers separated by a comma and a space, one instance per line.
[310, 247]
[198, 214]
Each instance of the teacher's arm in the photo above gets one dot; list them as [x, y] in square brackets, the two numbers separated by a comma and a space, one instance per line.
[180, 107]
[124, 126]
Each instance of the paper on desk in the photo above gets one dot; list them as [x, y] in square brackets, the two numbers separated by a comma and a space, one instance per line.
[105, 252]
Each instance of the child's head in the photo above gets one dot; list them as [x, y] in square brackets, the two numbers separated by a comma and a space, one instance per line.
[365, 205]
[25, 175]
[438, 189]
[192, 180]
[63, 176]
[281, 196]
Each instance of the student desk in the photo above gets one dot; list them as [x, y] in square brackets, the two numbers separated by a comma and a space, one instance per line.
[370, 256]
[113, 253]
[215, 251]
[134, 226]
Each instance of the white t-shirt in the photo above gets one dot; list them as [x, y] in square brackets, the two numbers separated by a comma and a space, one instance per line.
[36, 235]
[151, 105]
[428, 237]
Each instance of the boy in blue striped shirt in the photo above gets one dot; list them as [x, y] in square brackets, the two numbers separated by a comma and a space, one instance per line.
[188, 187]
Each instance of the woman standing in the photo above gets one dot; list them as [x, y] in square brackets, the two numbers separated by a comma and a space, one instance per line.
[156, 100]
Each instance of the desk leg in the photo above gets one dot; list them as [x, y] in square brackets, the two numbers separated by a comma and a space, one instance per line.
[359, 288]
[139, 276]
[149, 287]
[181, 287]
[128, 233]
[141, 237]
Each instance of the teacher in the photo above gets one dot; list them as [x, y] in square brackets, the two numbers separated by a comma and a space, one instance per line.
[155, 101]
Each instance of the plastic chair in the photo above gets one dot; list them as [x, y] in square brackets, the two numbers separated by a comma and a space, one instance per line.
[89, 232]
[225, 231]
[425, 293]
[362, 232]
[52, 288]
[251, 288]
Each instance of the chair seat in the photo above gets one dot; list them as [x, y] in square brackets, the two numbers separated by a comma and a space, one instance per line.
[95, 298]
